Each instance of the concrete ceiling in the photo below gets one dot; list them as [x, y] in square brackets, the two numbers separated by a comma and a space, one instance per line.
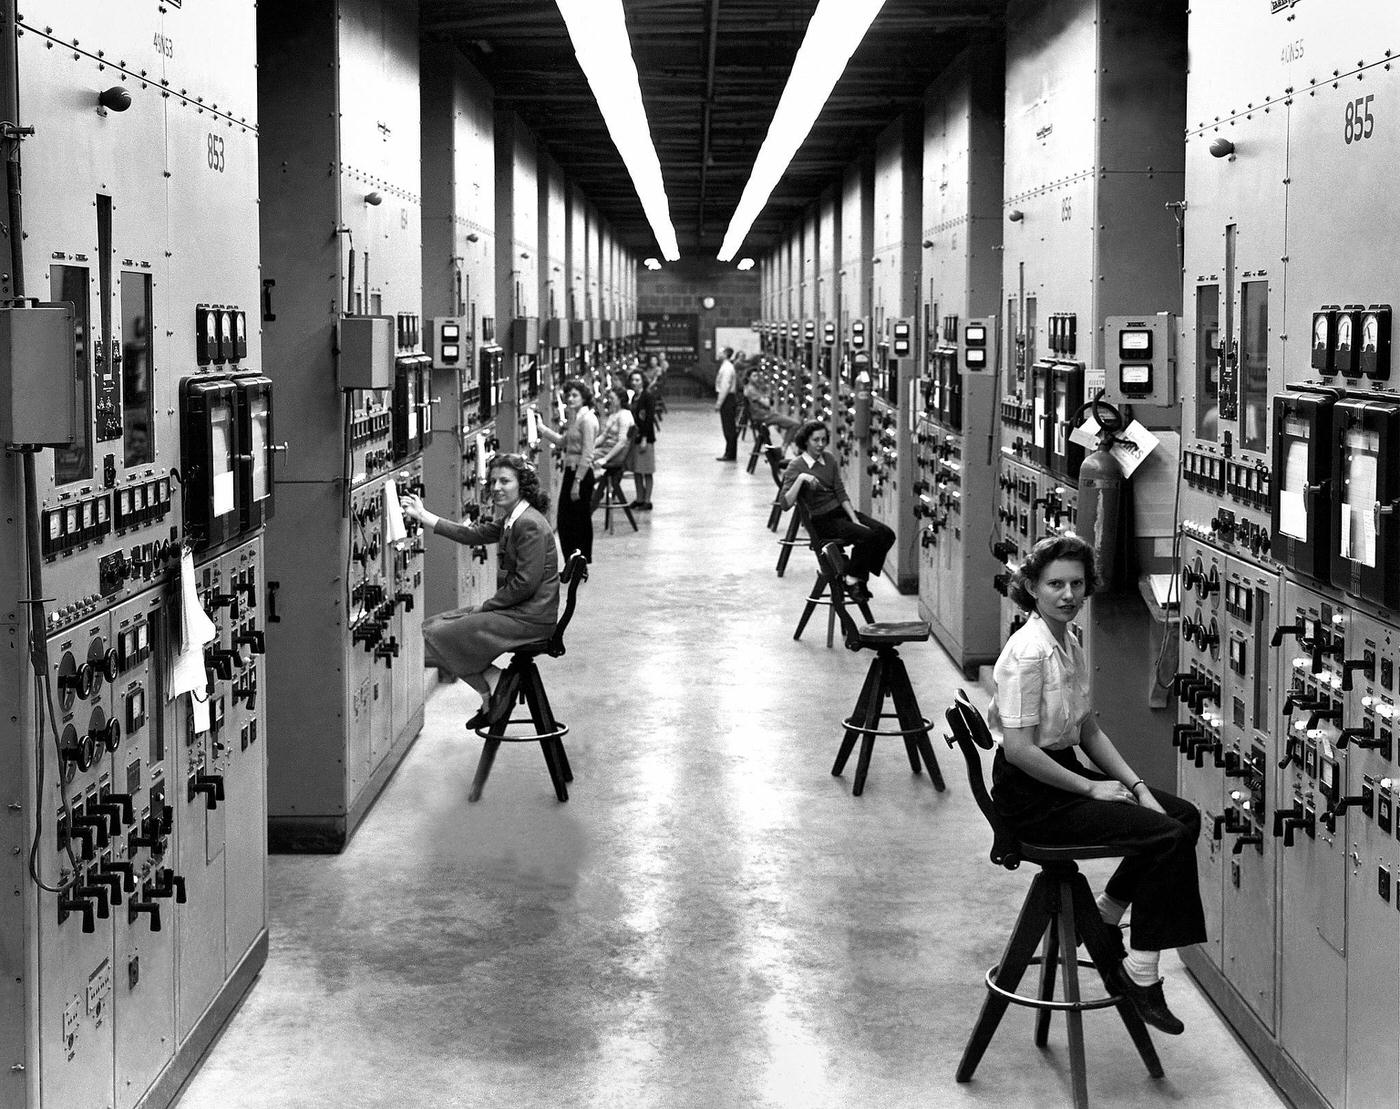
[712, 72]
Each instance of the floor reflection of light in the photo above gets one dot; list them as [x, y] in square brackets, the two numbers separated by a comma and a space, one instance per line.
[797, 1066]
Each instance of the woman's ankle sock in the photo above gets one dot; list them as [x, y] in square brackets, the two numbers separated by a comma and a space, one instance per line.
[1111, 910]
[1141, 966]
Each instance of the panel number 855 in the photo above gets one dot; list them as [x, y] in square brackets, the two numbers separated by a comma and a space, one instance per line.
[1360, 123]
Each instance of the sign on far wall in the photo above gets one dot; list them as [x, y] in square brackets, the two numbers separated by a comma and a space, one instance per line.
[676, 334]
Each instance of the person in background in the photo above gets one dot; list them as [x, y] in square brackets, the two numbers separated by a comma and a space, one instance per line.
[761, 414]
[610, 454]
[525, 607]
[1049, 796]
[814, 477]
[727, 405]
[574, 515]
[644, 459]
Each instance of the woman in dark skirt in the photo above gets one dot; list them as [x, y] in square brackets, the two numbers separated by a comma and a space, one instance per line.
[1049, 796]
[525, 606]
[645, 417]
[578, 438]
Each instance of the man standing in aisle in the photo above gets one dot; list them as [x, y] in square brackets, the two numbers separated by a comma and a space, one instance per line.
[727, 405]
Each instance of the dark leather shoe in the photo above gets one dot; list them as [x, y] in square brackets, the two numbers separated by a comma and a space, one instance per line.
[858, 592]
[1149, 1001]
[726, 458]
[479, 719]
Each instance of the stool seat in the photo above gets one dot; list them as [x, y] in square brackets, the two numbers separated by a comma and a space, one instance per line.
[1042, 855]
[890, 632]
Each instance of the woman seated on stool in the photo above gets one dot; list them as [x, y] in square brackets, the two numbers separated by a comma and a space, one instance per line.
[1048, 796]
[761, 413]
[813, 476]
[525, 606]
[613, 444]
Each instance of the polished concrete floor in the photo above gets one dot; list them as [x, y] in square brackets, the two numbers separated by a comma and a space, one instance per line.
[712, 919]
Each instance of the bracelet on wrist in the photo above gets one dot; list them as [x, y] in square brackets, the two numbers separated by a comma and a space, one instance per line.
[1133, 788]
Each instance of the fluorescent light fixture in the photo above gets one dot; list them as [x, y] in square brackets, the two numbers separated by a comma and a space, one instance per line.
[835, 31]
[747, 264]
[599, 33]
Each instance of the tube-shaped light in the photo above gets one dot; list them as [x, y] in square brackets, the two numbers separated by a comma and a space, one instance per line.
[835, 31]
[599, 33]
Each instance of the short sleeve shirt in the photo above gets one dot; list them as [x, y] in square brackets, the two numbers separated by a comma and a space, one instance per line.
[1042, 684]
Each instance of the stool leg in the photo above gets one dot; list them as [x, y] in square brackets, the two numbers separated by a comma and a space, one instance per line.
[1104, 950]
[1031, 924]
[785, 552]
[910, 717]
[543, 722]
[483, 768]
[830, 625]
[1074, 1018]
[1048, 969]
[559, 752]
[621, 496]
[874, 710]
[857, 717]
[813, 599]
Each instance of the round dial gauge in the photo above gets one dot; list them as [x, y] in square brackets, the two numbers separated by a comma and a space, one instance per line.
[1369, 330]
[1320, 332]
[1344, 332]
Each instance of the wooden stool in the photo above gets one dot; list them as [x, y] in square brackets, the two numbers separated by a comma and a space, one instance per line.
[521, 682]
[790, 540]
[614, 497]
[1057, 915]
[821, 588]
[887, 679]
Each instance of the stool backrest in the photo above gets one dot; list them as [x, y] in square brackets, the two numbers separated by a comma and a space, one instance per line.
[575, 574]
[833, 563]
[972, 736]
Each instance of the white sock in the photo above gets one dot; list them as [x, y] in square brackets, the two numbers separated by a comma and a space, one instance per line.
[1141, 966]
[1112, 911]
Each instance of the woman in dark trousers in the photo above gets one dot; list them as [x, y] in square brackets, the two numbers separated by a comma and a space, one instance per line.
[814, 477]
[575, 513]
[525, 606]
[1049, 796]
[644, 461]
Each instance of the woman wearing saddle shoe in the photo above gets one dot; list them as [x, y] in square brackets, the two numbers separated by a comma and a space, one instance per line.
[525, 606]
[1049, 796]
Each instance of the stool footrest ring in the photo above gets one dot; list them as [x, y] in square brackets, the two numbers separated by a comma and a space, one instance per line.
[851, 726]
[1039, 1003]
[485, 732]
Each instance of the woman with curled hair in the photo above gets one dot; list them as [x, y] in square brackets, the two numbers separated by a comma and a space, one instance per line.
[525, 606]
[1049, 796]
[575, 513]
[814, 478]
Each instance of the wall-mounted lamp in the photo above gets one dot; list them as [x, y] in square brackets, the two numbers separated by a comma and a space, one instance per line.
[651, 263]
[928, 243]
[373, 199]
[473, 237]
[1015, 215]
[115, 99]
[744, 264]
[1222, 148]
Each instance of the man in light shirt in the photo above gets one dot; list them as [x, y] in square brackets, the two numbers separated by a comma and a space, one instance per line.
[727, 405]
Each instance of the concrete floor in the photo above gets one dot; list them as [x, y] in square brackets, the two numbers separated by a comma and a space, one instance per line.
[712, 919]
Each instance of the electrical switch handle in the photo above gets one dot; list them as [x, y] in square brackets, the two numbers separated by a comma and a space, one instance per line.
[83, 908]
[1293, 752]
[97, 823]
[1287, 629]
[167, 884]
[123, 868]
[113, 813]
[253, 639]
[1358, 736]
[113, 882]
[1199, 752]
[98, 895]
[1252, 839]
[207, 785]
[150, 908]
[1366, 665]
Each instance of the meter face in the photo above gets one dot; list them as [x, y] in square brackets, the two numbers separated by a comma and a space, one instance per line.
[1140, 376]
[1139, 342]
[976, 359]
[451, 333]
[1344, 333]
[1357, 540]
[976, 333]
[1319, 333]
[1369, 331]
[55, 524]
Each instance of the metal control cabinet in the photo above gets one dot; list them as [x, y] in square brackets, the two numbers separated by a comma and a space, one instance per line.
[150, 816]
[339, 85]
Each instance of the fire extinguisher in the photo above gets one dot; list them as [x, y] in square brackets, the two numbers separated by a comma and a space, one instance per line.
[861, 364]
[1100, 494]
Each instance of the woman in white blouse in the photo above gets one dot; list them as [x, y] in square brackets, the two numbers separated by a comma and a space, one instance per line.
[1049, 796]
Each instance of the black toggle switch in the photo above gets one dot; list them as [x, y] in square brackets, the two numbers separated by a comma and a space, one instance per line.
[122, 868]
[97, 823]
[1276, 640]
[98, 895]
[405, 599]
[82, 907]
[1366, 665]
[253, 639]
[211, 785]
[1253, 839]
[113, 882]
[167, 884]
[1360, 737]
[151, 908]
[1293, 752]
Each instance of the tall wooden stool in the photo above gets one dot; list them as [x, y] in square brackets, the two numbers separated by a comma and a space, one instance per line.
[614, 497]
[1058, 914]
[790, 540]
[887, 679]
[821, 588]
[521, 682]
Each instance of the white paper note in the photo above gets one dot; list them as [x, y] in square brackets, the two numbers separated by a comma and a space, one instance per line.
[1292, 508]
[532, 428]
[199, 709]
[480, 458]
[392, 515]
[1358, 538]
[196, 629]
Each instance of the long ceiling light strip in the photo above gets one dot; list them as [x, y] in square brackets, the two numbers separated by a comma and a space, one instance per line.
[836, 29]
[599, 33]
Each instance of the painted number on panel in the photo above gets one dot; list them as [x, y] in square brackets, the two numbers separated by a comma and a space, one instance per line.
[1360, 123]
[1066, 210]
[216, 152]
[164, 45]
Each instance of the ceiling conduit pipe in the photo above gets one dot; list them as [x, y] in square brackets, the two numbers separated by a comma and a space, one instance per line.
[712, 34]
